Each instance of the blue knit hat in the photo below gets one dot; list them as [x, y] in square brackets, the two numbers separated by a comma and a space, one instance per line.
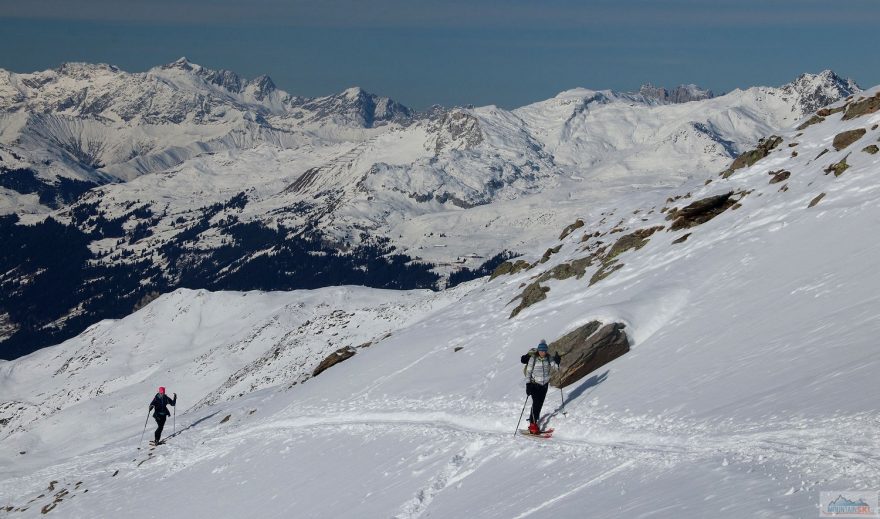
[542, 346]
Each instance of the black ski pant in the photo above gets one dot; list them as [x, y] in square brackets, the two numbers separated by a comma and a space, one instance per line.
[160, 421]
[538, 392]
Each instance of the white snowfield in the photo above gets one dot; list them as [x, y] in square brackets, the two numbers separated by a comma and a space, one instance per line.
[751, 385]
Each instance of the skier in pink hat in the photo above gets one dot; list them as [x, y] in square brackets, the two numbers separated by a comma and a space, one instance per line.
[159, 406]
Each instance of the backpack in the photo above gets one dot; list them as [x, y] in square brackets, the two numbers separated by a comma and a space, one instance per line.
[526, 358]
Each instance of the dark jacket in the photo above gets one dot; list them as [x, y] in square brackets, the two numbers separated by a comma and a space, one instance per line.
[160, 404]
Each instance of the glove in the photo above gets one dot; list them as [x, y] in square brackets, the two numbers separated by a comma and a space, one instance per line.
[556, 358]
[175, 396]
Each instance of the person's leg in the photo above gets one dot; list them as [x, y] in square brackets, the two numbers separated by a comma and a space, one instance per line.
[530, 390]
[539, 393]
[160, 422]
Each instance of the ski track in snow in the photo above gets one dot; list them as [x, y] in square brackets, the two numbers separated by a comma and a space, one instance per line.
[597, 479]
[814, 441]
[459, 467]
[843, 444]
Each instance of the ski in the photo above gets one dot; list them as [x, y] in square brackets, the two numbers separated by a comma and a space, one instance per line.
[543, 434]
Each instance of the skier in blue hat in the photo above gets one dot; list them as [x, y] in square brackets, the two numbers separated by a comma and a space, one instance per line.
[539, 367]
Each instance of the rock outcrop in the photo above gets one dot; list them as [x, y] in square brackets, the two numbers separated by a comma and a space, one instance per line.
[586, 349]
[333, 359]
[816, 119]
[863, 106]
[700, 211]
[632, 241]
[533, 293]
[779, 176]
[838, 167]
[571, 228]
[510, 267]
[765, 146]
[844, 139]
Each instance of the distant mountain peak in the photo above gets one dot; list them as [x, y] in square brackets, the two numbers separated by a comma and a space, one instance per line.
[180, 63]
[361, 107]
[264, 81]
[227, 79]
[822, 89]
[579, 93]
[77, 68]
[354, 92]
[262, 86]
[680, 94]
[224, 78]
[826, 78]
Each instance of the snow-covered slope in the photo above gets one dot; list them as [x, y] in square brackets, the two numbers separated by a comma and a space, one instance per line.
[221, 344]
[749, 298]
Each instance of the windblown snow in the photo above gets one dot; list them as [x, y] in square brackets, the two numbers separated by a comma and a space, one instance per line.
[749, 388]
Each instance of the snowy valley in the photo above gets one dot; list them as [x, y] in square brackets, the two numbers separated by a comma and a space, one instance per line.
[747, 290]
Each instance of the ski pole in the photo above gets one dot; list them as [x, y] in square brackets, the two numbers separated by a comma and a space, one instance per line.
[174, 418]
[521, 415]
[145, 429]
[558, 358]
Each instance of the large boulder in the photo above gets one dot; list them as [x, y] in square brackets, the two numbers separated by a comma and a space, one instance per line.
[844, 139]
[700, 212]
[334, 358]
[586, 349]
[779, 176]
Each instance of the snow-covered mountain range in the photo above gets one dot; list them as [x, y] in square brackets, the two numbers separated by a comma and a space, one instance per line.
[186, 176]
[748, 296]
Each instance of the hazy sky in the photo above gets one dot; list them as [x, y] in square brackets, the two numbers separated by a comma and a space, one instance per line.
[454, 52]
